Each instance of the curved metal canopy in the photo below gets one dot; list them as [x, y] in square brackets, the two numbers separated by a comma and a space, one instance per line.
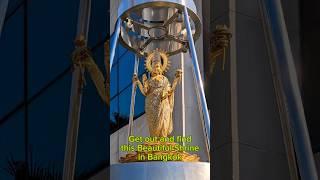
[149, 24]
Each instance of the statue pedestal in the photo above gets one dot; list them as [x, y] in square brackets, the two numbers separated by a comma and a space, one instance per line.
[160, 171]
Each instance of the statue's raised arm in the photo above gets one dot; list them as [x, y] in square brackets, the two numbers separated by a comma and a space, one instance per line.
[142, 87]
[177, 79]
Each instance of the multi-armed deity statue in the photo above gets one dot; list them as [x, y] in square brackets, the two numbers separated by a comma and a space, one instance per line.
[159, 94]
[159, 104]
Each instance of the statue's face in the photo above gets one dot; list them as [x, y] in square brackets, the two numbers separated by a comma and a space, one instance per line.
[156, 69]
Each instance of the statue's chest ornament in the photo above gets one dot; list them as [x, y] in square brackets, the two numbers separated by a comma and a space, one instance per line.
[157, 82]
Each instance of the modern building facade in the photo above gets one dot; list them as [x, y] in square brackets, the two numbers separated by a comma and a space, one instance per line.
[36, 43]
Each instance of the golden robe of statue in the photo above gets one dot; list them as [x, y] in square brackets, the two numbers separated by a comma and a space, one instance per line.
[159, 94]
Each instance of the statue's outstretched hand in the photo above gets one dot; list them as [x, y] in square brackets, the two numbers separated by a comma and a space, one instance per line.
[178, 74]
[144, 78]
[135, 78]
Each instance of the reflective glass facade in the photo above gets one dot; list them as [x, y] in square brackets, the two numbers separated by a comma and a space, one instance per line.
[121, 88]
[38, 134]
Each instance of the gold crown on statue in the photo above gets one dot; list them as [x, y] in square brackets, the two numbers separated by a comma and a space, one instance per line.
[157, 56]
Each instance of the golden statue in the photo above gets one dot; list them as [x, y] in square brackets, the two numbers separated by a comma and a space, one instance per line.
[159, 94]
[159, 104]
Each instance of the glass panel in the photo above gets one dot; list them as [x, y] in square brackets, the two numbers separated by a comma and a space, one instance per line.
[139, 105]
[11, 72]
[11, 143]
[48, 124]
[114, 81]
[13, 5]
[93, 138]
[98, 56]
[120, 103]
[98, 20]
[51, 36]
[114, 110]
[124, 101]
[121, 50]
[126, 65]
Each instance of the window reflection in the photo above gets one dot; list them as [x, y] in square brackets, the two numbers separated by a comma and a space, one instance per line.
[11, 143]
[121, 88]
[114, 81]
[11, 53]
[50, 44]
[124, 101]
[126, 65]
[114, 110]
[139, 105]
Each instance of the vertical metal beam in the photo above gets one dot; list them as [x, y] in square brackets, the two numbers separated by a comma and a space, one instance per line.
[289, 83]
[284, 118]
[76, 97]
[115, 42]
[207, 31]
[198, 78]
[133, 98]
[183, 106]
[73, 124]
[3, 12]
[234, 93]
[84, 18]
